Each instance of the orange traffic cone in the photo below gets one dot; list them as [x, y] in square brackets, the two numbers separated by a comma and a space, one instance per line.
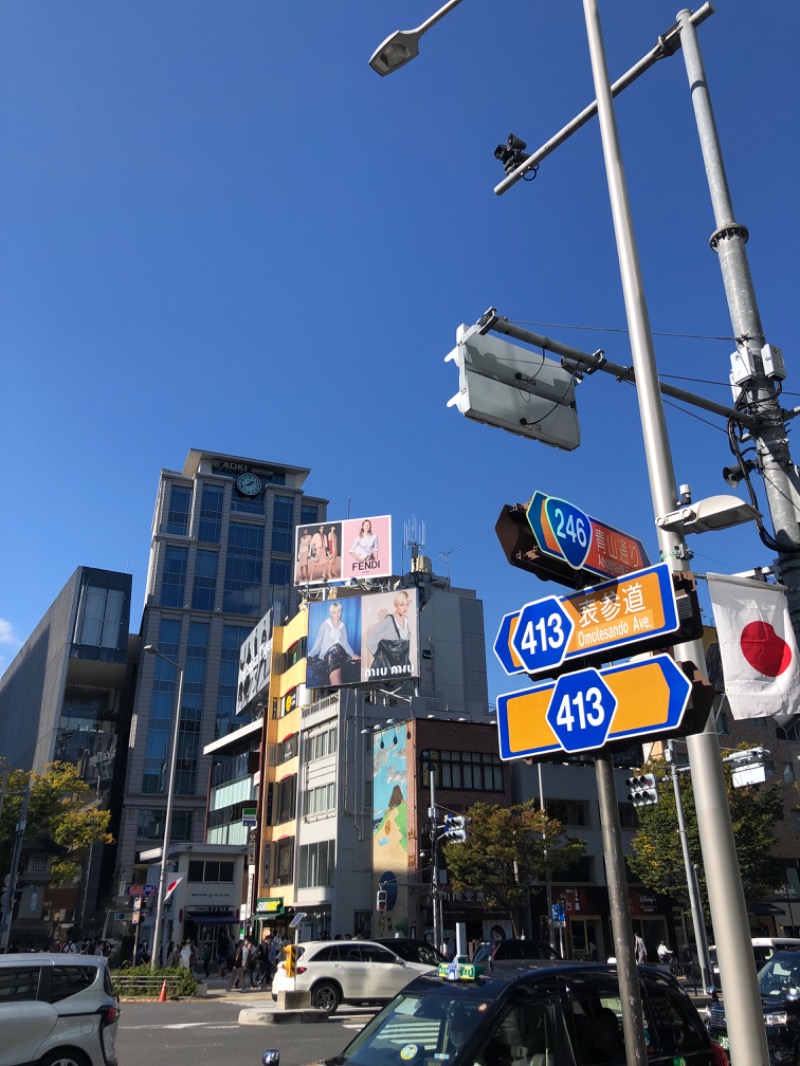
[163, 997]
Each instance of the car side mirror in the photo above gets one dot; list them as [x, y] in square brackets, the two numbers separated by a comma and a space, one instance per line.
[271, 1057]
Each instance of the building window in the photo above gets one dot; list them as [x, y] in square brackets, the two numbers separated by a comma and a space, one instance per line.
[287, 797]
[243, 564]
[284, 864]
[205, 581]
[581, 871]
[319, 800]
[211, 872]
[173, 580]
[791, 732]
[247, 504]
[99, 620]
[232, 639]
[211, 504]
[317, 864]
[151, 825]
[569, 812]
[320, 744]
[627, 816]
[180, 502]
[308, 514]
[162, 708]
[465, 770]
[282, 525]
[280, 571]
[723, 728]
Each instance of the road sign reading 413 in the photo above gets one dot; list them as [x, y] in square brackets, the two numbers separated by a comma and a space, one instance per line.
[544, 634]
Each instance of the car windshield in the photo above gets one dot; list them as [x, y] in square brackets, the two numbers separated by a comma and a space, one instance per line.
[422, 1027]
[780, 976]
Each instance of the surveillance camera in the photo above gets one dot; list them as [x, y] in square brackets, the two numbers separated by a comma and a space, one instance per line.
[511, 154]
[516, 144]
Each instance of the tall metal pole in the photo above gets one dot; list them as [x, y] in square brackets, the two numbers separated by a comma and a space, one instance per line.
[548, 880]
[630, 995]
[173, 760]
[436, 904]
[760, 396]
[698, 923]
[726, 897]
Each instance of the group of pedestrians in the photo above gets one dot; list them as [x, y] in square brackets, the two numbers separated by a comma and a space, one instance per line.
[252, 965]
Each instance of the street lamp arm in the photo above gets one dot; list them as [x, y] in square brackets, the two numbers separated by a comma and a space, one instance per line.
[402, 46]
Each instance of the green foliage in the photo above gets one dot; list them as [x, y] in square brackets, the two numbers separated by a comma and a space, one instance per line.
[141, 981]
[61, 805]
[507, 853]
[657, 857]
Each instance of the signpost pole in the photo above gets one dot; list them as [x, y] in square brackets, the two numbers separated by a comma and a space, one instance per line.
[632, 1016]
[726, 896]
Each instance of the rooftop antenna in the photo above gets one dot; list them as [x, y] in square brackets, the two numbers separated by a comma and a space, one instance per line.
[446, 556]
[413, 538]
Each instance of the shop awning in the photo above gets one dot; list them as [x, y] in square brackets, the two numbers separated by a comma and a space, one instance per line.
[210, 917]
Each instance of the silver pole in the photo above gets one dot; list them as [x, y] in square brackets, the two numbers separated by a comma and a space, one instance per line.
[698, 923]
[436, 905]
[173, 760]
[548, 880]
[726, 897]
[781, 482]
[630, 995]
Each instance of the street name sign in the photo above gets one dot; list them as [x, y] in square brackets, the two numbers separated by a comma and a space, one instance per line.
[566, 533]
[593, 623]
[589, 708]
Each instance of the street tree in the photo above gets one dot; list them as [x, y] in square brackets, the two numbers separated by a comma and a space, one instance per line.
[508, 853]
[657, 857]
[60, 803]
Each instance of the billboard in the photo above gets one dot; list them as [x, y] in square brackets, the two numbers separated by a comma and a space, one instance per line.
[354, 548]
[363, 640]
[255, 663]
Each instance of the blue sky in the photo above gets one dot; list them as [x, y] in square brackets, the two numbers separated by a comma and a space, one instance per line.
[221, 229]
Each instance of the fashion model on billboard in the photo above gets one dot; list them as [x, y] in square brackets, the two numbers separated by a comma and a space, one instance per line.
[332, 554]
[389, 641]
[332, 648]
[365, 546]
[318, 554]
[303, 553]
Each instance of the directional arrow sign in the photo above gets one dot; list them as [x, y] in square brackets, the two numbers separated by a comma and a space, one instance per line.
[594, 622]
[542, 636]
[504, 649]
[635, 700]
[562, 531]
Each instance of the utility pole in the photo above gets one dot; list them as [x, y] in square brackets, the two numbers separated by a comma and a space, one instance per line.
[5, 925]
[758, 369]
[436, 902]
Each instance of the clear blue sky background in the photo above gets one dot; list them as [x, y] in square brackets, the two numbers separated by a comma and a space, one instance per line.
[221, 229]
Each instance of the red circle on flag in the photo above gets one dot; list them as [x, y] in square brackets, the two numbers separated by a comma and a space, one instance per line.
[764, 650]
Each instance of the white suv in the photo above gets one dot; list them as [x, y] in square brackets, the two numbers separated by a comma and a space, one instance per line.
[57, 1010]
[355, 971]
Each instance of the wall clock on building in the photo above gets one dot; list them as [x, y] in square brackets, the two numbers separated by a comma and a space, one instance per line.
[248, 484]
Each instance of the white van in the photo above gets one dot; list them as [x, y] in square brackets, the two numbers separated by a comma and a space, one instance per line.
[764, 947]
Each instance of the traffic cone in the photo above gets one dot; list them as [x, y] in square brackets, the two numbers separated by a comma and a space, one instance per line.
[163, 997]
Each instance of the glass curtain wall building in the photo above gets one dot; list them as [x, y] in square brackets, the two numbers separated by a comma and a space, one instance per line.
[220, 557]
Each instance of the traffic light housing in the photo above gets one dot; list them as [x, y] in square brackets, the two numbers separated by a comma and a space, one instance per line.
[455, 827]
[290, 962]
[382, 902]
[643, 790]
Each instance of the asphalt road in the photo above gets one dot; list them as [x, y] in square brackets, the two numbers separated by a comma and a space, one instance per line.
[207, 1033]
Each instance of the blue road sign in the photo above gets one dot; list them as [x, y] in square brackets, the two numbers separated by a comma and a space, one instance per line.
[542, 636]
[581, 710]
[591, 708]
[503, 648]
[571, 528]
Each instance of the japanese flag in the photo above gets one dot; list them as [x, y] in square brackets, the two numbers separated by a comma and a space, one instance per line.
[757, 646]
[171, 887]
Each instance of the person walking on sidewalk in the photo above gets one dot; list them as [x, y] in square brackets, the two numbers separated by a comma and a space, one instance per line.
[237, 968]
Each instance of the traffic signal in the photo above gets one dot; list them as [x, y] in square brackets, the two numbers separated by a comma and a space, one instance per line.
[383, 900]
[290, 962]
[643, 790]
[455, 827]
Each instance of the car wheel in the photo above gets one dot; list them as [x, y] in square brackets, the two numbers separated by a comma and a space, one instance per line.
[66, 1057]
[326, 996]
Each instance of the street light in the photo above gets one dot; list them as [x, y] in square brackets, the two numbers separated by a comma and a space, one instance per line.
[152, 649]
[726, 896]
[402, 46]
